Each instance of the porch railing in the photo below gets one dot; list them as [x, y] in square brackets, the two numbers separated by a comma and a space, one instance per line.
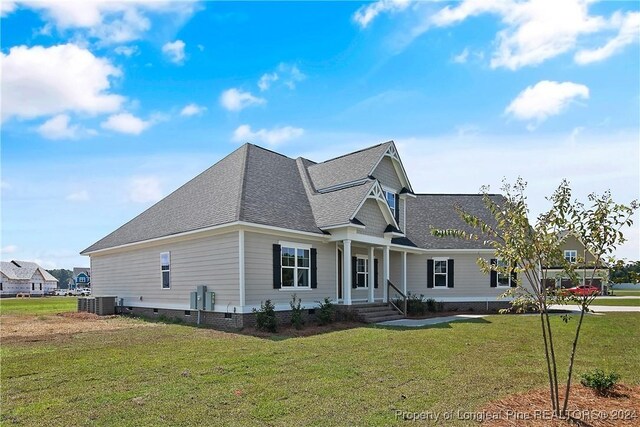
[403, 297]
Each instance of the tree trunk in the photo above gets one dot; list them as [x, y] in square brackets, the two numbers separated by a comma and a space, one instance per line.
[573, 355]
[553, 363]
[546, 354]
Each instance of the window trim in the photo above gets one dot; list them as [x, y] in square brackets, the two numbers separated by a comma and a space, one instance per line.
[498, 274]
[570, 251]
[366, 272]
[386, 192]
[446, 273]
[296, 247]
[162, 270]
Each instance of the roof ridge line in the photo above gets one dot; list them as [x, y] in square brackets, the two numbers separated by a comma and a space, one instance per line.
[243, 182]
[353, 152]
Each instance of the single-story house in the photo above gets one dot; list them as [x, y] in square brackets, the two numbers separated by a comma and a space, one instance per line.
[23, 277]
[259, 225]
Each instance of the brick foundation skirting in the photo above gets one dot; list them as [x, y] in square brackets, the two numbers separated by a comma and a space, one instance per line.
[222, 321]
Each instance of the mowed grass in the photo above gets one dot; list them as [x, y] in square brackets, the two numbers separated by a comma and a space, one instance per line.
[37, 306]
[627, 292]
[181, 375]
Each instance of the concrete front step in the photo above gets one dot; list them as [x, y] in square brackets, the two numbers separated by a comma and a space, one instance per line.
[372, 313]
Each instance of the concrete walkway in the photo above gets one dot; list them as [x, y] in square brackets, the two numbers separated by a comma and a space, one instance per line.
[599, 308]
[415, 323]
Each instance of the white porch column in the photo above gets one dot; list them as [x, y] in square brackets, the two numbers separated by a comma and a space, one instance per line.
[346, 269]
[404, 273]
[385, 273]
[371, 275]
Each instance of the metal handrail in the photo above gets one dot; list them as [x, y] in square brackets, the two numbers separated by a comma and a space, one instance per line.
[404, 298]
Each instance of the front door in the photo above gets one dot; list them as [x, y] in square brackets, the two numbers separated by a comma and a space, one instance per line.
[339, 274]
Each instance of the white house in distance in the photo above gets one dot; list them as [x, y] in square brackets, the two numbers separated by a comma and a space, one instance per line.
[23, 277]
[259, 225]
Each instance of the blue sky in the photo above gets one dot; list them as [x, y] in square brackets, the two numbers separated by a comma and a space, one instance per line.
[109, 106]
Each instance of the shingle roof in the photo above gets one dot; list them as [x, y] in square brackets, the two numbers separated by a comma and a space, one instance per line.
[348, 168]
[24, 270]
[78, 270]
[438, 211]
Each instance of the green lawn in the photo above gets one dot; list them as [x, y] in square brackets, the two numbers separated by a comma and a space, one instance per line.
[37, 306]
[627, 292]
[181, 375]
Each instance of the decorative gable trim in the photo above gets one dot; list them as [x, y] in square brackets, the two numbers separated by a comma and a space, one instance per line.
[392, 153]
[377, 193]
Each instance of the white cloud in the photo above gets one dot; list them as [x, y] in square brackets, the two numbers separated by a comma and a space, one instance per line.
[174, 51]
[4, 185]
[78, 196]
[192, 110]
[289, 74]
[535, 30]
[7, 7]
[127, 50]
[462, 57]
[9, 249]
[236, 100]
[274, 136]
[365, 14]
[544, 99]
[144, 189]
[629, 32]
[265, 81]
[126, 123]
[58, 127]
[42, 81]
[111, 21]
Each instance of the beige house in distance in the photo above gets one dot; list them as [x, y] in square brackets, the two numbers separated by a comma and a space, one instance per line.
[259, 225]
[24, 277]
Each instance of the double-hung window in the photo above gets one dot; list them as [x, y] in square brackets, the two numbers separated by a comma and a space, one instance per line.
[571, 256]
[362, 273]
[440, 273]
[295, 267]
[165, 267]
[391, 200]
[504, 280]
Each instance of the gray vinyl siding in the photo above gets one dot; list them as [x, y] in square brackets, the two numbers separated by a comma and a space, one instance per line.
[259, 271]
[210, 261]
[386, 173]
[469, 281]
[363, 294]
[371, 216]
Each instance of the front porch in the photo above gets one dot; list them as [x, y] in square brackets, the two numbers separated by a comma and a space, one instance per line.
[364, 271]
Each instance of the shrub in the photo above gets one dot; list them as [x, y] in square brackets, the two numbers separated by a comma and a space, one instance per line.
[266, 317]
[432, 306]
[296, 312]
[325, 311]
[600, 381]
[415, 304]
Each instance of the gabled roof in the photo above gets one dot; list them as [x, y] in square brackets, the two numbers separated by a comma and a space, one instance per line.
[78, 270]
[251, 184]
[24, 270]
[438, 211]
[348, 168]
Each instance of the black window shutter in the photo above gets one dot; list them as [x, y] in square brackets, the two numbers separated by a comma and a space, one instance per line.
[277, 267]
[494, 274]
[314, 268]
[450, 273]
[397, 209]
[354, 272]
[514, 277]
[375, 272]
[429, 273]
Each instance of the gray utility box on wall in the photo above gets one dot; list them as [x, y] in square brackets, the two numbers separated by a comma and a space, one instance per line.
[202, 300]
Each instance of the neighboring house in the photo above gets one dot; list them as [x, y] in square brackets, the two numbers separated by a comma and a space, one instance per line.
[22, 277]
[258, 225]
[81, 277]
[575, 252]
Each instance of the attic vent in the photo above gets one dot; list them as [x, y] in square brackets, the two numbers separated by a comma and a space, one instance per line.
[16, 264]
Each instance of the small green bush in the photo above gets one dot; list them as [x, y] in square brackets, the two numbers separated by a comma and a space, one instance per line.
[432, 306]
[296, 312]
[266, 317]
[600, 381]
[326, 310]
